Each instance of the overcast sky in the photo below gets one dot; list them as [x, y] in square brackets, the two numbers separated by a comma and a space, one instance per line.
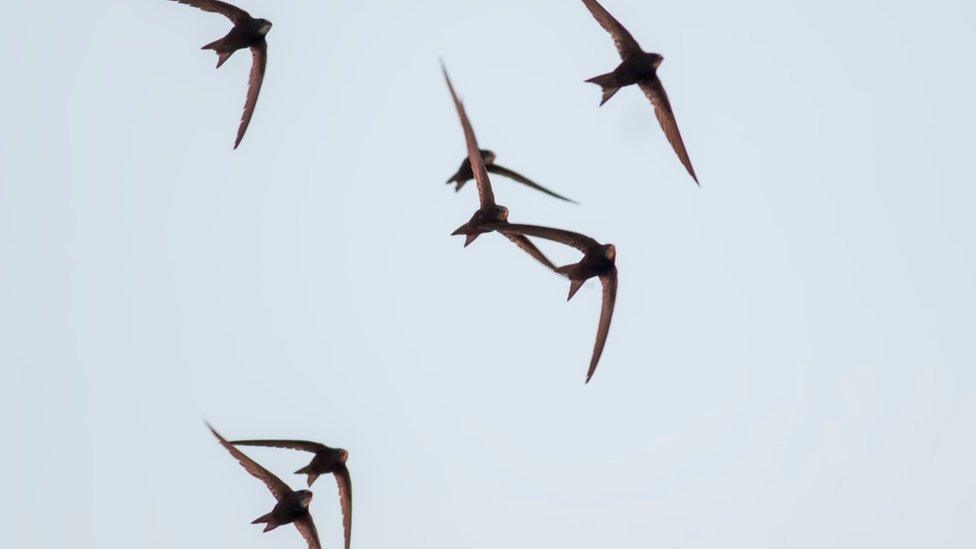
[791, 361]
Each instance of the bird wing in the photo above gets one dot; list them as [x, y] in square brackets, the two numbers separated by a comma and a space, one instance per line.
[306, 527]
[606, 314]
[345, 500]
[626, 44]
[259, 63]
[485, 195]
[581, 242]
[654, 91]
[511, 174]
[235, 14]
[530, 248]
[277, 487]
[303, 445]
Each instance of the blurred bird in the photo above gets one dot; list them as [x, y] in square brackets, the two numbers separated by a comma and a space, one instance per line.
[638, 67]
[327, 460]
[292, 507]
[599, 260]
[248, 32]
[465, 174]
[489, 212]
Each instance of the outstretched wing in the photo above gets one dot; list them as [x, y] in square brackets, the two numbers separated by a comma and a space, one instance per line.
[259, 63]
[530, 248]
[606, 314]
[277, 487]
[235, 14]
[581, 242]
[303, 445]
[626, 44]
[511, 174]
[345, 500]
[654, 91]
[485, 195]
[306, 527]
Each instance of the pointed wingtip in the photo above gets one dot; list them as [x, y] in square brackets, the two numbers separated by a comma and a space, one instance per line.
[591, 371]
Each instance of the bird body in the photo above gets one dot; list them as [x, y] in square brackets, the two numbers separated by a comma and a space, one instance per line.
[465, 173]
[640, 68]
[489, 211]
[326, 461]
[635, 69]
[291, 506]
[599, 260]
[596, 262]
[247, 33]
[486, 215]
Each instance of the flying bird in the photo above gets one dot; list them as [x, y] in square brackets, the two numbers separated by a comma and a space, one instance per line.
[292, 507]
[599, 260]
[638, 67]
[327, 460]
[465, 174]
[489, 212]
[248, 32]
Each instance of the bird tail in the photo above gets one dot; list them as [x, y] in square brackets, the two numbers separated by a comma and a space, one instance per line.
[268, 520]
[307, 470]
[456, 181]
[609, 84]
[574, 286]
[469, 235]
[222, 55]
[574, 283]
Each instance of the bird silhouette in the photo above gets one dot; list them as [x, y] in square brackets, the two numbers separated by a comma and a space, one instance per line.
[638, 67]
[247, 32]
[489, 212]
[465, 174]
[326, 460]
[292, 506]
[599, 260]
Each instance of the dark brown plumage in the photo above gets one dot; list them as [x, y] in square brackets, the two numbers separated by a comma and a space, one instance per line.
[465, 174]
[292, 507]
[638, 67]
[489, 212]
[326, 461]
[247, 32]
[599, 260]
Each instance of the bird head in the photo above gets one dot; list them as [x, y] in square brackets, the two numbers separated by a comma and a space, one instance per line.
[488, 156]
[501, 213]
[656, 60]
[304, 497]
[610, 252]
[264, 26]
[343, 455]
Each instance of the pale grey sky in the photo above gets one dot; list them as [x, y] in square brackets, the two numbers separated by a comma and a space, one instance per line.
[791, 362]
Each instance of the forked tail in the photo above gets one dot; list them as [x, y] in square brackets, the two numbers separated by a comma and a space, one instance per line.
[574, 283]
[609, 84]
[222, 56]
[267, 520]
